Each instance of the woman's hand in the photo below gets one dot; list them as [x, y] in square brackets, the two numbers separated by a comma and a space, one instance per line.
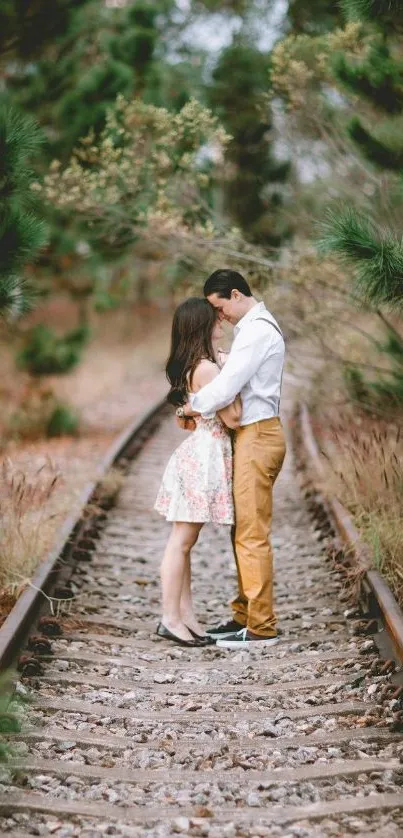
[186, 424]
[222, 357]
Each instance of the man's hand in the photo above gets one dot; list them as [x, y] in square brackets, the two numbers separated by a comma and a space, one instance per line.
[186, 424]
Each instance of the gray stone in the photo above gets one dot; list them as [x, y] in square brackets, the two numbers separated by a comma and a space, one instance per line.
[181, 824]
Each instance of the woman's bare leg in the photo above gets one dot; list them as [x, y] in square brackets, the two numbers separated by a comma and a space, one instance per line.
[187, 612]
[173, 568]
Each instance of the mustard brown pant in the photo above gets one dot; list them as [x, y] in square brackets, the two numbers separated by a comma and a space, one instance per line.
[259, 452]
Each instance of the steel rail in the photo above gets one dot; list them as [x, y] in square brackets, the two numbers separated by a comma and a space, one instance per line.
[371, 580]
[21, 616]
[153, 734]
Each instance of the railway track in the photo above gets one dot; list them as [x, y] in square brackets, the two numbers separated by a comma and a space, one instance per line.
[128, 735]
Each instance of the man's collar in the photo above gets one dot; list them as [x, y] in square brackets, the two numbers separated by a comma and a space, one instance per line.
[250, 315]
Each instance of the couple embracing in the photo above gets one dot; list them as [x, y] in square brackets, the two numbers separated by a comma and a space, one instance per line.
[207, 478]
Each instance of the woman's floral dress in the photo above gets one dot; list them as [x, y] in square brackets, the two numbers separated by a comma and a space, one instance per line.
[197, 483]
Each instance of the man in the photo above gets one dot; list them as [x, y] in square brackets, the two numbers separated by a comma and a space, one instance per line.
[253, 369]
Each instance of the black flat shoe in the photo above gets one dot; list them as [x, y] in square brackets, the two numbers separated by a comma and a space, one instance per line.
[168, 635]
[205, 639]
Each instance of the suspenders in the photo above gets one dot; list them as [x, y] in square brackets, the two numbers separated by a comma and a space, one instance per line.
[277, 328]
[266, 320]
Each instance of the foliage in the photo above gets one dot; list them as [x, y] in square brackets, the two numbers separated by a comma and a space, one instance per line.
[312, 18]
[371, 9]
[22, 233]
[12, 711]
[301, 63]
[380, 152]
[390, 387]
[26, 28]
[363, 63]
[100, 53]
[376, 255]
[37, 413]
[142, 173]
[377, 77]
[355, 384]
[379, 80]
[385, 390]
[25, 512]
[253, 180]
[62, 422]
[236, 6]
[90, 53]
[45, 353]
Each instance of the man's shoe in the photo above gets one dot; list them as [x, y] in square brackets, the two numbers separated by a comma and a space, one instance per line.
[231, 627]
[245, 639]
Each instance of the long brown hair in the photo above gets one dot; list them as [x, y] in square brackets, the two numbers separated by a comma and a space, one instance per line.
[191, 340]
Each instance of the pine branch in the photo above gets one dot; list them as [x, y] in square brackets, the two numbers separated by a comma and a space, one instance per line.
[379, 77]
[22, 233]
[20, 138]
[16, 297]
[370, 9]
[376, 151]
[376, 256]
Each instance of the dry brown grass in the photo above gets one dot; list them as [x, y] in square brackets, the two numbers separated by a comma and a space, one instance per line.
[25, 521]
[365, 471]
[29, 418]
[361, 441]
[120, 375]
[111, 482]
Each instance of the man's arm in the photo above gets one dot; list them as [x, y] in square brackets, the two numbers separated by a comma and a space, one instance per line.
[247, 353]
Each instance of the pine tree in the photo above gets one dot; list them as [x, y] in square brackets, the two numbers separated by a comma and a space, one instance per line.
[253, 190]
[314, 17]
[377, 80]
[22, 233]
[390, 11]
[376, 254]
[26, 28]
[92, 54]
[102, 52]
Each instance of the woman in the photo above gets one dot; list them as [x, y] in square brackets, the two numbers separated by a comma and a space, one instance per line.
[197, 484]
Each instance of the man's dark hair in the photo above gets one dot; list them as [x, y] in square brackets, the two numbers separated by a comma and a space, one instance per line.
[223, 281]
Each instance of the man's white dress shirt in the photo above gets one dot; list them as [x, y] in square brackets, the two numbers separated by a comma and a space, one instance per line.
[254, 370]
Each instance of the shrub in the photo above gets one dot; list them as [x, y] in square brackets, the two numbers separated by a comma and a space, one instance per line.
[355, 384]
[386, 388]
[47, 354]
[39, 414]
[62, 422]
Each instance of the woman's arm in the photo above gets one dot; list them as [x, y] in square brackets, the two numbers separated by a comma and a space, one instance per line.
[231, 415]
[205, 372]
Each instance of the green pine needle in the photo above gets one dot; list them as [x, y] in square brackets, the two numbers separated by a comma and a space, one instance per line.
[16, 297]
[347, 233]
[376, 256]
[370, 9]
[22, 234]
[20, 138]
